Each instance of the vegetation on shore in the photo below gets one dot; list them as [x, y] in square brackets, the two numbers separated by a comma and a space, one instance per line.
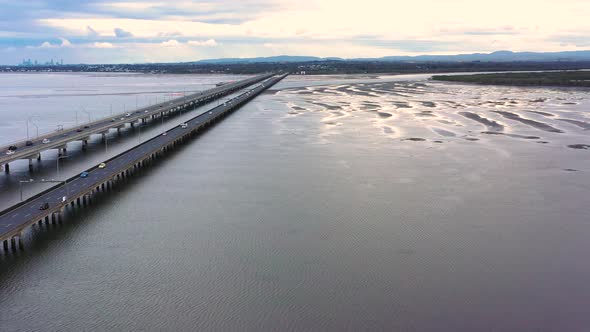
[561, 78]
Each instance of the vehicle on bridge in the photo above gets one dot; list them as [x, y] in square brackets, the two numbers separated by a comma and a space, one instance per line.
[9, 152]
[183, 125]
[44, 206]
[102, 165]
[12, 148]
[29, 143]
[84, 174]
[46, 140]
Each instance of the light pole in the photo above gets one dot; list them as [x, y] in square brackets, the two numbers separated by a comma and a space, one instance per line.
[57, 161]
[29, 120]
[106, 142]
[65, 182]
[21, 186]
[89, 117]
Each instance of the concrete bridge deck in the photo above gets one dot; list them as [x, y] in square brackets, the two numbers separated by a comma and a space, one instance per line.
[59, 139]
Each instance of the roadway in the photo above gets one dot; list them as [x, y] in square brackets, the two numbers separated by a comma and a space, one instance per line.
[60, 138]
[15, 219]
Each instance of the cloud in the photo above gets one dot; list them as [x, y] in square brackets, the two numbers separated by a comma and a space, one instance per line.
[102, 45]
[65, 43]
[120, 33]
[266, 27]
[46, 44]
[208, 42]
[170, 43]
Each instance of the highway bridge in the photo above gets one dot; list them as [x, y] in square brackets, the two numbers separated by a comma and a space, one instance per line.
[50, 204]
[32, 148]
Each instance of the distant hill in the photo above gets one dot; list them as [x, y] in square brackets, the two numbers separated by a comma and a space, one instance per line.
[499, 56]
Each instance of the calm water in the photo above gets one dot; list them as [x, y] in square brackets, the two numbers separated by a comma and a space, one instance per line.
[332, 203]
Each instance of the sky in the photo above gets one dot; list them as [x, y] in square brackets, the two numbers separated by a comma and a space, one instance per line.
[112, 31]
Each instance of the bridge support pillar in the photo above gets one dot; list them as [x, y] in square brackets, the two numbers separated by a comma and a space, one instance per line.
[53, 218]
[7, 168]
[47, 221]
[84, 144]
[5, 245]
[30, 164]
[13, 243]
[39, 157]
[78, 201]
[21, 242]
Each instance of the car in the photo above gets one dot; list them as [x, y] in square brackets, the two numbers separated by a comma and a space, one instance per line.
[210, 112]
[164, 134]
[9, 152]
[145, 111]
[183, 125]
[102, 165]
[79, 129]
[29, 143]
[86, 127]
[12, 148]
[122, 118]
[113, 120]
[46, 140]
[128, 114]
[84, 174]
[44, 206]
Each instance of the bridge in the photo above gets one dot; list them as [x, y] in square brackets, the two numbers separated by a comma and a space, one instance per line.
[32, 148]
[78, 191]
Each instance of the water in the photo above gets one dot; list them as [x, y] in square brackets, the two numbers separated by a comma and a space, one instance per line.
[290, 215]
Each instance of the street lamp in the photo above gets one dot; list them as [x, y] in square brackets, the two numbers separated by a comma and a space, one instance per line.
[65, 182]
[89, 117]
[21, 186]
[57, 161]
[29, 120]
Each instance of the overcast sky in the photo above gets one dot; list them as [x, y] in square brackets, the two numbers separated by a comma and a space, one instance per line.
[95, 31]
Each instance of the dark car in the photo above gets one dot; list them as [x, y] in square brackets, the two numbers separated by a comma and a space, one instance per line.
[44, 206]
[86, 127]
[12, 148]
[79, 129]
[29, 143]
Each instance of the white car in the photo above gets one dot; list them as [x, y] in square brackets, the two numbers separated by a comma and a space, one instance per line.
[164, 134]
[145, 111]
[9, 152]
[183, 125]
[210, 112]
[128, 114]
[46, 140]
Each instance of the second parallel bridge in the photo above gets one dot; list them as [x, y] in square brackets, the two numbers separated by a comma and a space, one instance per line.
[59, 139]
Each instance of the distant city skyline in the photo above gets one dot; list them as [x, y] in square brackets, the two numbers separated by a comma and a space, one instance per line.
[114, 31]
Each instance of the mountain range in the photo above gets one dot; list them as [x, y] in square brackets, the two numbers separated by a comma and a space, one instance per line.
[499, 56]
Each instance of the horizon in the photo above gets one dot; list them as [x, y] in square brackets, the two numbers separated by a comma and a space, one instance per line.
[184, 31]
